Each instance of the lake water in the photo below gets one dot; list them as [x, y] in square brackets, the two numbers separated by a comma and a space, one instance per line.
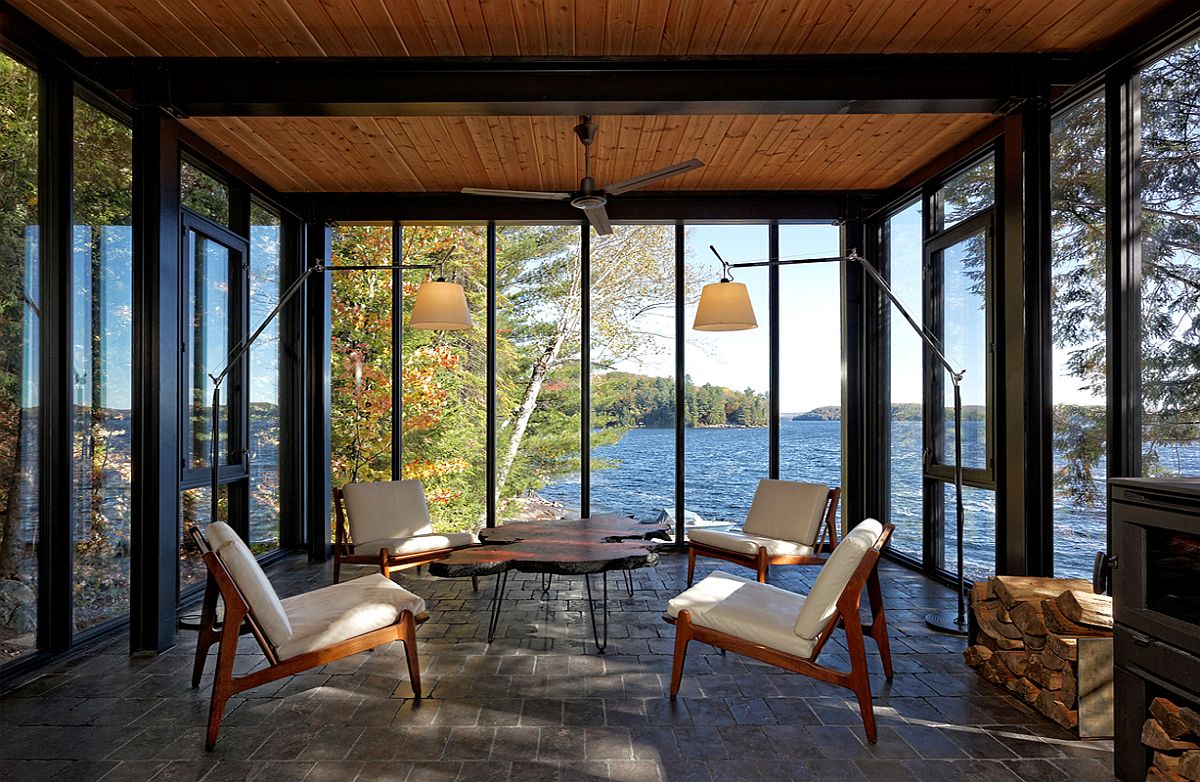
[723, 466]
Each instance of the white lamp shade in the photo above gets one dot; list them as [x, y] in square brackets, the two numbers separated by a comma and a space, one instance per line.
[440, 305]
[724, 306]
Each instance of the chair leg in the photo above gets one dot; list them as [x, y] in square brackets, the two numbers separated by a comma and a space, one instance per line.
[209, 634]
[683, 634]
[474, 583]
[223, 686]
[762, 565]
[408, 634]
[879, 623]
[337, 562]
[383, 563]
[862, 691]
[691, 565]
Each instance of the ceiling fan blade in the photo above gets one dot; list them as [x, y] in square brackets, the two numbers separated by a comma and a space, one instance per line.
[541, 196]
[599, 220]
[648, 179]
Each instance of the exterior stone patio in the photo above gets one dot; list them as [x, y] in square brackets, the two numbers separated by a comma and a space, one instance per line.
[539, 704]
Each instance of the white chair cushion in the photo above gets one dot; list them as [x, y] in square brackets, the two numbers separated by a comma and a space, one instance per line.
[417, 543]
[245, 571]
[326, 616]
[787, 510]
[759, 613]
[821, 603]
[386, 510]
[741, 543]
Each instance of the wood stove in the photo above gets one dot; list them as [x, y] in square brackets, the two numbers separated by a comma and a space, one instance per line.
[1155, 571]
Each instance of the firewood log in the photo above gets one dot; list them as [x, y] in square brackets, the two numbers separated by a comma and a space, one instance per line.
[1023, 689]
[1014, 661]
[1021, 589]
[1056, 710]
[1070, 686]
[1191, 718]
[1058, 623]
[977, 655]
[1062, 646]
[1170, 717]
[1028, 619]
[1154, 737]
[1166, 762]
[1158, 775]
[1042, 676]
[990, 620]
[1189, 766]
[1086, 608]
[1052, 661]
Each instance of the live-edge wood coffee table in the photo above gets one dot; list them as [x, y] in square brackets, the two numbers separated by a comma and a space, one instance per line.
[583, 547]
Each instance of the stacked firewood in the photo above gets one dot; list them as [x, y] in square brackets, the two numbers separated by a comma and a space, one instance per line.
[1027, 630]
[1174, 735]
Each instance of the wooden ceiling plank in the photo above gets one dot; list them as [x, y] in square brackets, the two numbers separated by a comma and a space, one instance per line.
[648, 27]
[501, 27]
[589, 28]
[247, 147]
[347, 162]
[428, 143]
[881, 141]
[324, 140]
[375, 155]
[743, 19]
[620, 22]
[734, 131]
[770, 26]
[137, 44]
[198, 25]
[397, 131]
[73, 28]
[395, 155]
[930, 15]
[1093, 31]
[491, 167]
[837, 16]
[229, 17]
[530, 26]
[794, 39]
[558, 26]
[861, 32]
[680, 23]
[471, 26]
[292, 29]
[286, 140]
[930, 147]
[711, 21]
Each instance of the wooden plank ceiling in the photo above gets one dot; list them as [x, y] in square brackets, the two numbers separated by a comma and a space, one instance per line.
[442, 154]
[454, 28]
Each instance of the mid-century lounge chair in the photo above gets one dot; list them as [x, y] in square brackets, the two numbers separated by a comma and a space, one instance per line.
[296, 633]
[386, 523]
[789, 630]
[789, 523]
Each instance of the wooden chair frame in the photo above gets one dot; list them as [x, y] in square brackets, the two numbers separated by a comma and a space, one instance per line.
[343, 549]
[762, 561]
[238, 617]
[857, 679]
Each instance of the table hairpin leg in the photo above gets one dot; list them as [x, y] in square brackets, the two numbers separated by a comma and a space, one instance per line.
[587, 579]
[629, 581]
[497, 597]
[547, 580]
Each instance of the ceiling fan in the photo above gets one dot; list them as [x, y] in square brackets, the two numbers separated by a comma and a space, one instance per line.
[589, 198]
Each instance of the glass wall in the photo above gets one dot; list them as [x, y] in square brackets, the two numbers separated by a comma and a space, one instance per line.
[810, 364]
[963, 318]
[102, 325]
[19, 380]
[633, 370]
[265, 258]
[443, 413]
[905, 460]
[1078, 313]
[1170, 285]
[727, 442]
[538, 398]
[203, 193]
[361, 356]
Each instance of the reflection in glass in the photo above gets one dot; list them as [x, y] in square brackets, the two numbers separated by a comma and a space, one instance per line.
[965, 335]
[102, 379]
[444, 380]
[264, 379]
[210, 269]
[195, 509]
[203, 194]
[19, 381]
[537, 459]
[905, 462]
[1078, 313]
[1170, 273]
[968, 193]
[979, 532]
[727, 440]
[633, 370]
[361, 356]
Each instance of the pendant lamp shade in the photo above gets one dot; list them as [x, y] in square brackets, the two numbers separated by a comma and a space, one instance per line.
[442, 306]
[724, 306]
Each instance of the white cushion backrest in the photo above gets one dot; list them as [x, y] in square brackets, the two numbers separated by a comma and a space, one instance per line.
[821, 603]
[787, 510]
[251, 580]
[386, 510]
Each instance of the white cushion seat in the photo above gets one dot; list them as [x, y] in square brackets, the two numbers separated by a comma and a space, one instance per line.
[743, 543]
[787, 510]
[759, 613]
[332, 614]
[417, 543]
[251, 581]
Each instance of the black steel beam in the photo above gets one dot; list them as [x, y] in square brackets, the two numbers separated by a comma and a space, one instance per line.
[748, 205]
[810, 84]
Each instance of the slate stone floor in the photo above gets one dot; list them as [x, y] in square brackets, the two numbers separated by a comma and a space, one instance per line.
[539, 704]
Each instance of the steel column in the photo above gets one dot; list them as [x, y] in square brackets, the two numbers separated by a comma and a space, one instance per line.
[773, 350]
[490, 456]
[318, 436]
[585, 370]
[680, 375]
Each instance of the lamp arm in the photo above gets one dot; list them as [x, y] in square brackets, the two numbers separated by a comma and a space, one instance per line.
[924, 333]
